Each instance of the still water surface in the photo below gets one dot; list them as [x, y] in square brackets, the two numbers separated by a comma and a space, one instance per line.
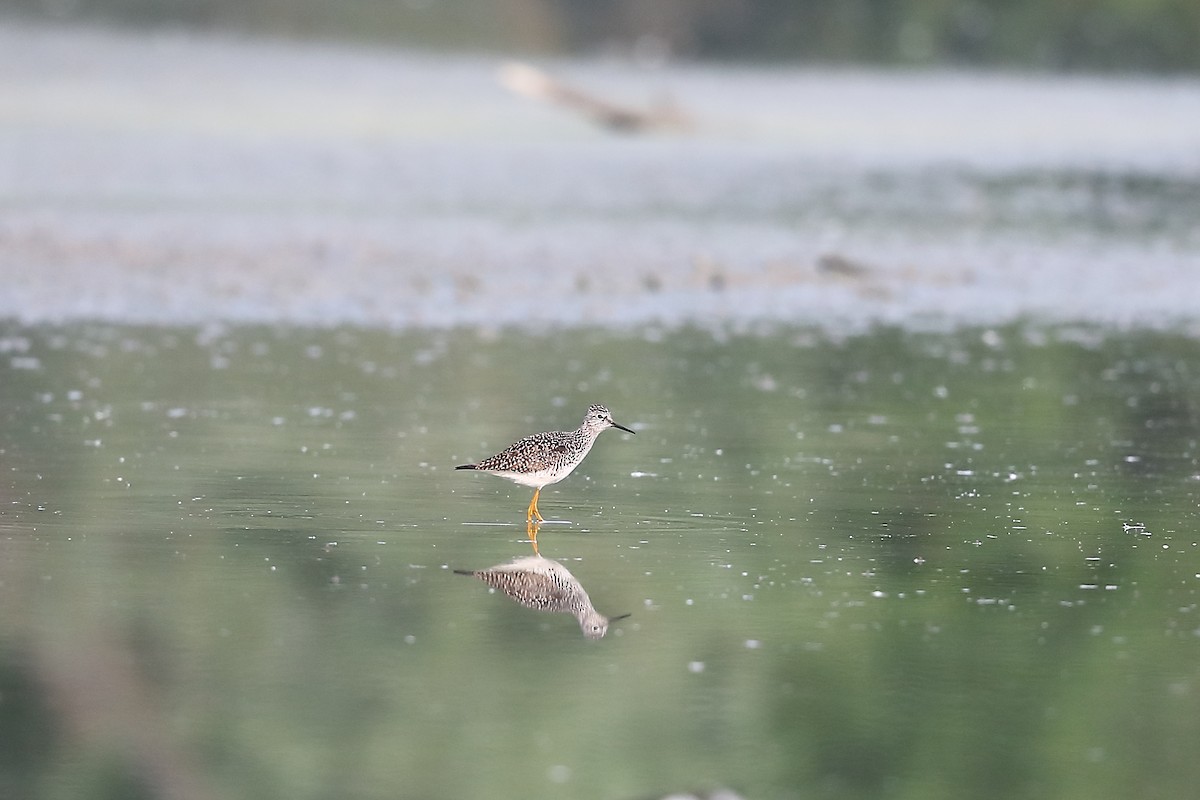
[885, 565]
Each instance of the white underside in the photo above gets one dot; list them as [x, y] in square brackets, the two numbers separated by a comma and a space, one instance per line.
[535, 480]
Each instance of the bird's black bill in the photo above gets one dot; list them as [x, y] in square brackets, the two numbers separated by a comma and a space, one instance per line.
[622, 427]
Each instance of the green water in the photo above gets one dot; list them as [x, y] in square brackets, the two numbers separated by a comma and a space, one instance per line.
[893, 565]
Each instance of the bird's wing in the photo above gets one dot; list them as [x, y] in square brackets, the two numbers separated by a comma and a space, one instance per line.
[536, 452]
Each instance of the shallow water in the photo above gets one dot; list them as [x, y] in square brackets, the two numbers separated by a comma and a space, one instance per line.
[884, 565]
[181, 179]
[911, 509]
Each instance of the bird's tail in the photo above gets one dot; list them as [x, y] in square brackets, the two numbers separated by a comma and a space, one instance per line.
[464, 572]
[466, 466]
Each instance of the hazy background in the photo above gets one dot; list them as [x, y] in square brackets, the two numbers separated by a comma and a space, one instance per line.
[1106, 35]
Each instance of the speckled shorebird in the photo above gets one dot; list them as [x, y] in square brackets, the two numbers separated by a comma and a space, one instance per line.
[543, 584]
[545, 458]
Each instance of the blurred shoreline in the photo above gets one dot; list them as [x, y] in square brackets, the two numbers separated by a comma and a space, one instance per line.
[179, 178]
[1051, 35]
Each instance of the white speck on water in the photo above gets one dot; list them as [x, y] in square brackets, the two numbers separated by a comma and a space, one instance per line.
[559, 773]
[695, 667]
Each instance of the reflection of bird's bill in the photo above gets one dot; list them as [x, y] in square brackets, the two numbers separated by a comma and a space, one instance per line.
[621, 616]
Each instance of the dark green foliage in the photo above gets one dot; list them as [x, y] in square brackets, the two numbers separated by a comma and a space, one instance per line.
[1142, 35]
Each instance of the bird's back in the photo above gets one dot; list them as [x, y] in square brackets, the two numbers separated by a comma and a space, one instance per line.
[554, 452]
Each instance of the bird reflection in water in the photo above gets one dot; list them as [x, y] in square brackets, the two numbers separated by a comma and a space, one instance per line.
[543, 584]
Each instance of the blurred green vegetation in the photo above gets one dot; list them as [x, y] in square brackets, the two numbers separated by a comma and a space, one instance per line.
[1142, 35]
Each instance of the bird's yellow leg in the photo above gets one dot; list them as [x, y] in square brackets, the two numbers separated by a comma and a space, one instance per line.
[531, 530]
[532, 511]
